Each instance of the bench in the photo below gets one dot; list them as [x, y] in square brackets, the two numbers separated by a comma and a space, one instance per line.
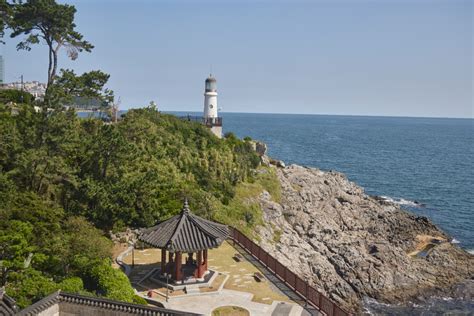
[238, 257]
[259, 277]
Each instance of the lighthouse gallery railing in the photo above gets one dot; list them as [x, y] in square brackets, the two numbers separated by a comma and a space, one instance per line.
[207, 121]
[298, 285]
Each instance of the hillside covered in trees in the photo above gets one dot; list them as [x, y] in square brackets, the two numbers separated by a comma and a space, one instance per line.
[65, 182]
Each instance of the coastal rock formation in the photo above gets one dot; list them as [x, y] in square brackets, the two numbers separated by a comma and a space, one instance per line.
[350, 245]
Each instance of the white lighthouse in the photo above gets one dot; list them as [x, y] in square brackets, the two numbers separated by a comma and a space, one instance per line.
[211, 118]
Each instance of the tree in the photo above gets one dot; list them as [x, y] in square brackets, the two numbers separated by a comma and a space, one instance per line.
[68, 87]
[53, 23]
[17, 96]
[5, 13]
[112, 283]
[85, 243]
[30, 286]
[14, 247]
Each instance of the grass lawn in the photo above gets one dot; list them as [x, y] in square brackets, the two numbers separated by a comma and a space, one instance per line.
[144, 257]
[230, 311]
[241, 275]
[221, 260]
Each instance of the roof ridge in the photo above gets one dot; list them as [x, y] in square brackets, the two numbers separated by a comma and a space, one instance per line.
[196, 220]
[177, 228]
[151, 228]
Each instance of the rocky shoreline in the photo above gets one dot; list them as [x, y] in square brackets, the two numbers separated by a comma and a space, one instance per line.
[351, 245]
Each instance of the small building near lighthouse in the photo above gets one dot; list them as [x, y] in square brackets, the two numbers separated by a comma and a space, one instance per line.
[210, 116]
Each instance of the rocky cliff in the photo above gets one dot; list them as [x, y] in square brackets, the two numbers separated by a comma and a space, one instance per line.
[351, 245]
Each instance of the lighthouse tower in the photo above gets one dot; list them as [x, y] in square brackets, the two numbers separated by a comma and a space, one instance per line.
[211, 118]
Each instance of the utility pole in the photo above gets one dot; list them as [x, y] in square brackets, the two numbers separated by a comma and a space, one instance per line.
[115, 110]
[21, 88]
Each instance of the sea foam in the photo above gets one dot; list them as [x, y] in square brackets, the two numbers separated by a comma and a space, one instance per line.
[401, 201]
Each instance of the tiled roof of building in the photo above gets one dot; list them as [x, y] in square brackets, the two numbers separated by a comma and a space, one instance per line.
[95, 306]
[7, 304]
[185, 232]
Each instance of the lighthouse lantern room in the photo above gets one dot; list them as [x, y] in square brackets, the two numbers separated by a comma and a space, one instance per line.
[211, 118]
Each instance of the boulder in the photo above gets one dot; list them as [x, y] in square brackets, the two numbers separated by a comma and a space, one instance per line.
[261, 148]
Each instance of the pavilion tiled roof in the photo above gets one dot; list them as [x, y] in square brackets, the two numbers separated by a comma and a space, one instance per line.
[7, 304]
[185, 232]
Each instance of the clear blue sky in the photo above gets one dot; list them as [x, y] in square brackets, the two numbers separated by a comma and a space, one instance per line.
[402, 58]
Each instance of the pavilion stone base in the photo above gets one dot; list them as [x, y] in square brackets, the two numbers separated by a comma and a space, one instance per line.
[205, 281]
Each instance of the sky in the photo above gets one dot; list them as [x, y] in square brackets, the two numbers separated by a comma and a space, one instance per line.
[390, 58]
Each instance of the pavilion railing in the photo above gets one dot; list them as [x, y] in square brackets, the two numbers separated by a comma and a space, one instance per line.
[308, 293]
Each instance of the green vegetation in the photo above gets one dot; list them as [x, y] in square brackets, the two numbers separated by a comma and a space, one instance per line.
[69, 87]
[243, 210]
[269, 181]
[5, 13]
[277, 235]
[127, 174]
[112, 283]
[15, 96]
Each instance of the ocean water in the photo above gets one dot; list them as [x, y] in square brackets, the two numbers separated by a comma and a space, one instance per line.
[429, 161]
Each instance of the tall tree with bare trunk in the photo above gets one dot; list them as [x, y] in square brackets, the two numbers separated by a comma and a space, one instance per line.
[52, 23]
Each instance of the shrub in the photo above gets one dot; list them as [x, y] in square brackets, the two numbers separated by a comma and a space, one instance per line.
[111, 283]
[16, 96]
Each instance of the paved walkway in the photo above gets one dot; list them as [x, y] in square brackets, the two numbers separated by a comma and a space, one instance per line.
[205, 304]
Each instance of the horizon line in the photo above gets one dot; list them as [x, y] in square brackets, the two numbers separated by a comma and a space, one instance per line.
[328, 114]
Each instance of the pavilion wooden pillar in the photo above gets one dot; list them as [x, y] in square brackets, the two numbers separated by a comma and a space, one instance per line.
[199, 264]
[169, 265]
[205, 260]
[163, 260]
[178, 274]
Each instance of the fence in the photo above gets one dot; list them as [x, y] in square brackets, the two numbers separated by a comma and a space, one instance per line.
[299, 286]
